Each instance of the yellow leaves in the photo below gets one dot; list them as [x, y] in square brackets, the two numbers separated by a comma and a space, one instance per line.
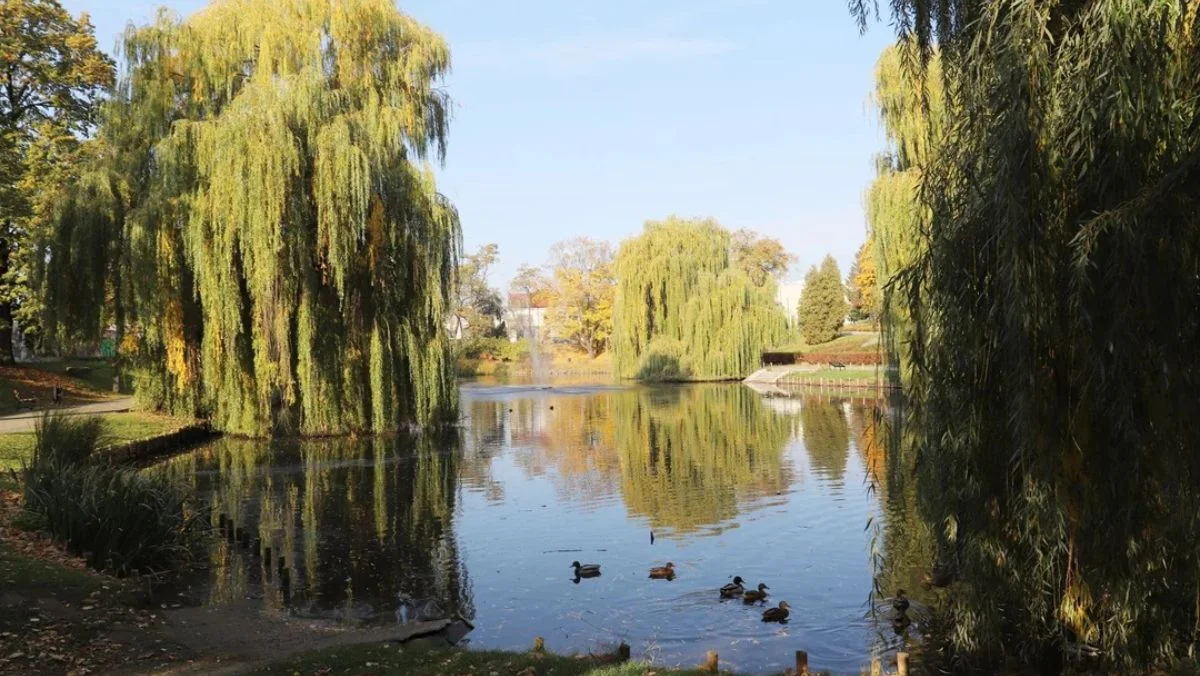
[176, 345]
[1075, 609]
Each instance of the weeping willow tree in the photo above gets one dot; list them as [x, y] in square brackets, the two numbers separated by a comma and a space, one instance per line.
[912, 110]
[684, 310]
[274, 247]
[1056, 313]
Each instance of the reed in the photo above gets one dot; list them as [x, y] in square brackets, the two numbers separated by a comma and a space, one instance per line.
[118, 519]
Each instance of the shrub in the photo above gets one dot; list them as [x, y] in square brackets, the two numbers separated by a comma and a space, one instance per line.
[663, 362]
[496, 349]
[118, 519]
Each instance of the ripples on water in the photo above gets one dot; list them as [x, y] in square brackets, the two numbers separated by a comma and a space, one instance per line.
[486, 522]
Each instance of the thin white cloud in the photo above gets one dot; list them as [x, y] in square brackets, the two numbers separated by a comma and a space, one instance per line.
[580, 55]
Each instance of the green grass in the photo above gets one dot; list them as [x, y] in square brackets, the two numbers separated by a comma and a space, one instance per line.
[18, 571]
[415, 660]
[38, 381]
[847, 342]
[119, 428]
[99, 377]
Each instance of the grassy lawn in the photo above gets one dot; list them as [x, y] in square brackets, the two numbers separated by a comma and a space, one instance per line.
[847, 342]
[415, 660]
[32, 574]
[120, 428]
[98, 377]
[39, 380]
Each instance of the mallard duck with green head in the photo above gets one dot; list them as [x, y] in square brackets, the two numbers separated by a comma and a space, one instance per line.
[733, 589]
[779, 614]
[756, 595]
[586, 569]
[666, 572]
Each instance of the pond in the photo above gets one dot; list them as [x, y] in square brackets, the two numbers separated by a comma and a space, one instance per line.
[486, 522]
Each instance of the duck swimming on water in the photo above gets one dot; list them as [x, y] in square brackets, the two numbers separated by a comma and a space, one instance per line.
[900, 602]
[586, 569]
[733, 589]
[753, 596]
[779, 614]
[666, 572]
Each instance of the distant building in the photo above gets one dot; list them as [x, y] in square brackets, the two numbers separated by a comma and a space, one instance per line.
[787, 294]
[525, 317]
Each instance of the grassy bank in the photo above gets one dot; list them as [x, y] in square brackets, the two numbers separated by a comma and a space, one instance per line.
[115, 518]
[121, 428]
[58, 617]
[415, 660]
[852, 343]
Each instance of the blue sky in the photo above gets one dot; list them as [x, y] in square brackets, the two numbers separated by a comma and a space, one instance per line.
[589, 117]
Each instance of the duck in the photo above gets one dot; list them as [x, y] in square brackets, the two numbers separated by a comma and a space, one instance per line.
[779, 614]
[900, 622]
[733, 588]
[586, 569]
[900, 602]
[752, 596]
[666, 572]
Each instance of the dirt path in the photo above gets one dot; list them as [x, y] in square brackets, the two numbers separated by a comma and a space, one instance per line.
[26, 421]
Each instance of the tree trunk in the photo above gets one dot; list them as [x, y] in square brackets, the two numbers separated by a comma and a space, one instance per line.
[6, 310]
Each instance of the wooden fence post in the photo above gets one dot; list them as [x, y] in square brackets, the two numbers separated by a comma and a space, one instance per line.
[902, 664]
[801, 663]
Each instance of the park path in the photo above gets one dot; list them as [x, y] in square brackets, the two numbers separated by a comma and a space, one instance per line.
[26, 421]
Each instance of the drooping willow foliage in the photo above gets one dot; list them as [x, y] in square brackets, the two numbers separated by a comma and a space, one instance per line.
[912, 110]
[282, 259]
[683, 311]
[1056, 314]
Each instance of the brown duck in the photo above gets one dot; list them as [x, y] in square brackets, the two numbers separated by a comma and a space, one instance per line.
[666, 572]
[756, 595]
[779, 614]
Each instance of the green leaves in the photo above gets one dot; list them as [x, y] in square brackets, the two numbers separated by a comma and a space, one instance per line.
[683, 310]
[1053, 290]
[823, 306]
[285, 263]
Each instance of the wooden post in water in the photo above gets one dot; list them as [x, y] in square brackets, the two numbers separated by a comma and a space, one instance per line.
[902, 664]
[712, 662]
[801, 663]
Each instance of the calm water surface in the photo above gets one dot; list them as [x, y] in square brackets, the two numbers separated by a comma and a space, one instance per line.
[486, 522]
